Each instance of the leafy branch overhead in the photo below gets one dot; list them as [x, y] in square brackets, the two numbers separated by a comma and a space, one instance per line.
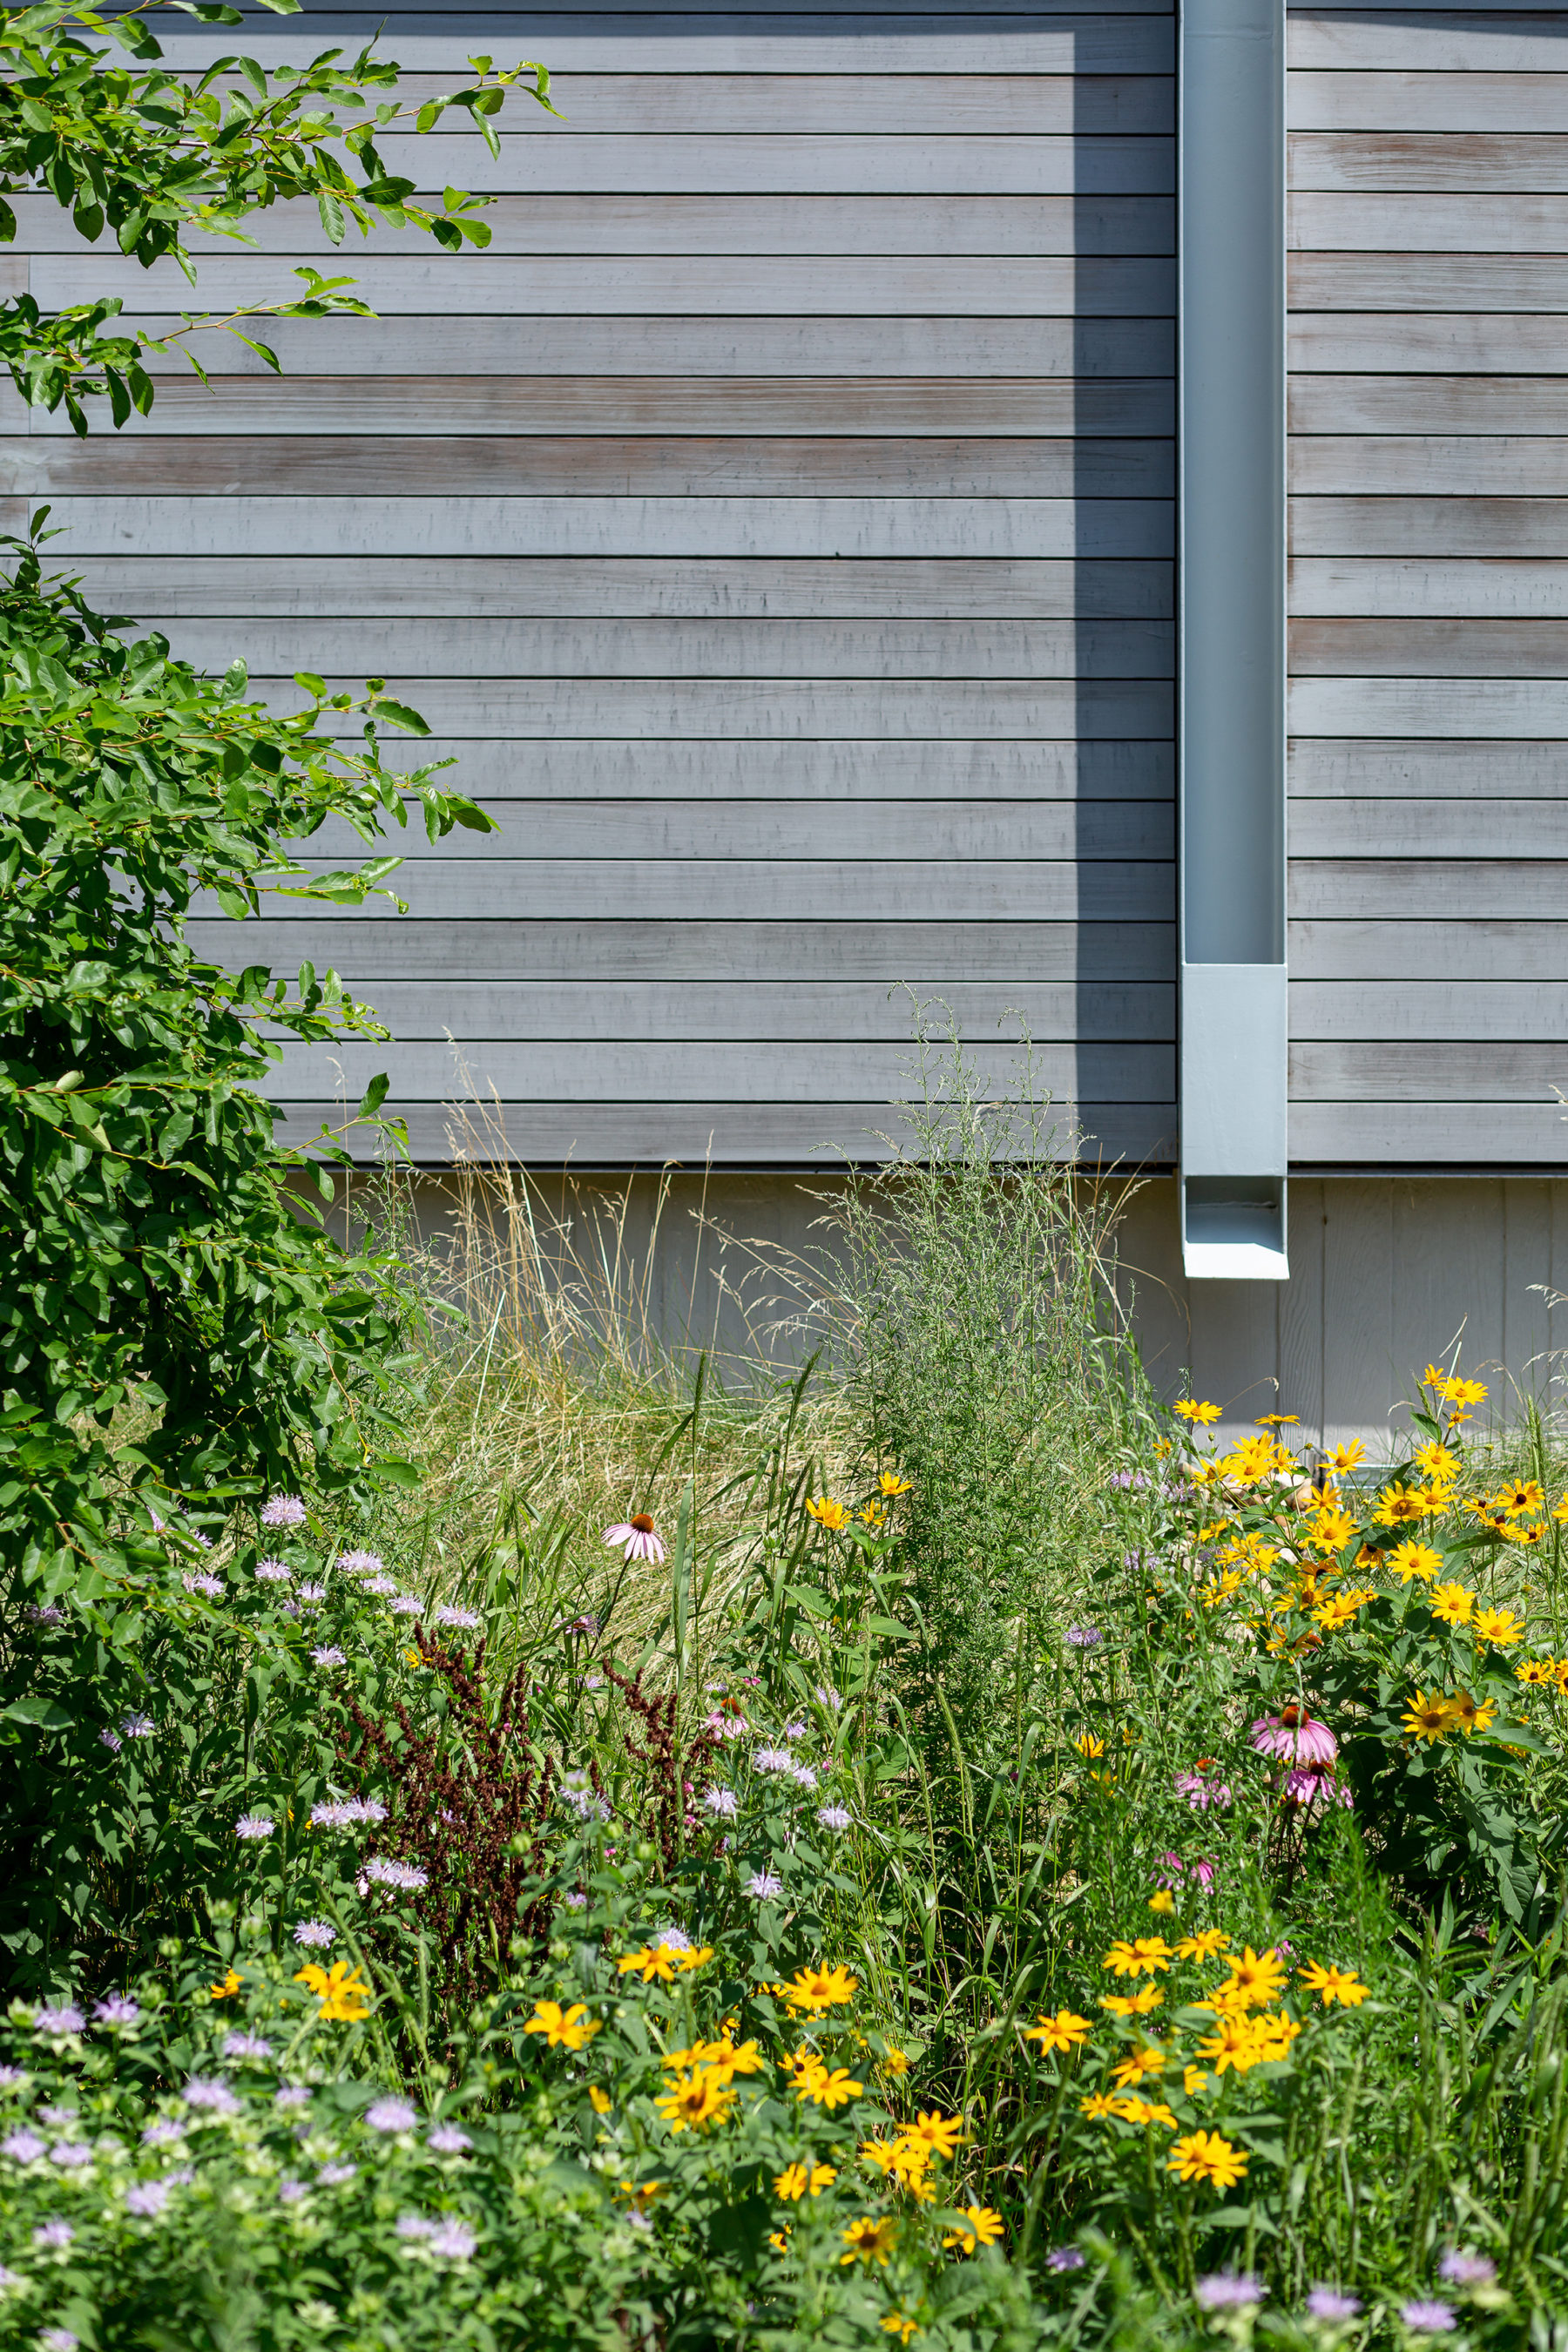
[154, 155]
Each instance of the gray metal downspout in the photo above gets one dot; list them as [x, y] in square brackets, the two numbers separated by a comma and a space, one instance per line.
[1231, 637]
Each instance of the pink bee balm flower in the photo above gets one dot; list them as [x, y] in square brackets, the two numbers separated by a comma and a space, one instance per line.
[1295, 1736]
[639, 1536]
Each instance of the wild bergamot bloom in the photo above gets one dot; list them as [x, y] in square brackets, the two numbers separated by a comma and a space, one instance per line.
[1452, 1603]
[1205, 2156]
[979, 2226]
[870, 2241]
[1498, 1626]
[1142, 1957]
[1333, 1984]
[566, 2029]
[817, 1989]
[1429, 1716]
[1058, 2032]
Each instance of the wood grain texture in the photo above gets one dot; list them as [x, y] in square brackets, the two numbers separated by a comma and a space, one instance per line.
[1405, 647]
[1475, 283]
[1325, 222]
[1442, 42]
[1011, 890]
[1459, 464]
[1352, 769]
[1465, 163]
[1491, 588]
[437, 287]
[1478, 889]
[1437, 527]
[933, 956]
[445, 405]
[1424, 827]
[591, 464]
[826, 1012]
[729, 1135]
[1417, 99]
[417, 528]
[699, 345]
[1418, 342]
[939, 588]
[1464, 947]
[1418, 405]
[570, 651]
[1519, 1011]
[1415, 1134]
[1451, 1070]
[1429, 705]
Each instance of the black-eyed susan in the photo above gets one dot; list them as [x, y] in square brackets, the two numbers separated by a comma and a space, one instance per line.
[1429, 1715]
[870, 2239]
[1200, 1412]
[1536, 1671]
[979, 2225]
[1206, 1944]
[1472, 1716]
[1498, 1626]
[1141, 1956]
[1206, 2156]
[564, 2028]
[1063, 2031]
[1332, 1984]
[1256, 1979]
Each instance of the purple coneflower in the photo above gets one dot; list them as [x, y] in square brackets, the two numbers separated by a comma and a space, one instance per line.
[1424, 2317]
[1295, 1736]
[763, 1885]
[254, 1825]
[282, 1511]
[1201, 1793]
[638, 1537]
[1313, 1785]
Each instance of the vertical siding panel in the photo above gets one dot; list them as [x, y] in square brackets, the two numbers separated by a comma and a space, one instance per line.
[1301, 1314]
[1527, 1266]
[1447, 1277]
[1358, 1312]
[1236, 1351]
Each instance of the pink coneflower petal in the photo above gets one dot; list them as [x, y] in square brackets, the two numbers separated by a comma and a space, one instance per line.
[1295, 1736]
[638, 1536]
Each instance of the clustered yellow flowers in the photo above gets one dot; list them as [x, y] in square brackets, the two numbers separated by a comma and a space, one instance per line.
[1430, 1715]
[568, 2029]
[906, 2160]
[344, 1997]
[829, 1513]
[664, 1962]
[703, 2089]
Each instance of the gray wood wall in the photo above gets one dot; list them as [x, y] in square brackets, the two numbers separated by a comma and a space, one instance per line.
[1428, 165]
[776, 523]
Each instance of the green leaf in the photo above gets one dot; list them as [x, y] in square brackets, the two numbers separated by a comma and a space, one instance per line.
[373, 1096]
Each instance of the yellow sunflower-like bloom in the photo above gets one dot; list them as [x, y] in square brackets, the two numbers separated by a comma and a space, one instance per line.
[1409, 1561]
[1206, 1944]
[894, 2322]
[936, 2132]
[825, 2086]
[1342, 1459]
[1099, 2105]
[228, 1986]
[1205, 2156]
[981, 2226]
[891, 1484]
[798, 2180]
[1146, 2111]
[1140, 1957]
[1399, 1505]
[1429, 1715]
[1162, 1900]
[566, 2029]
[871, 2240]
[817, 1989]
[1471, 1717]
[1233, 2044]
[654, 1961]
[1138, 2004]
[1128, 2072]
[1256, 1980]
[827, 1512]
[696, 2103]
[1536, 1670]
[1498, 1626]
[1452, 1603]
[343, 1996]
[1203, 1414]
[1058, 2032]
[1335, 1984]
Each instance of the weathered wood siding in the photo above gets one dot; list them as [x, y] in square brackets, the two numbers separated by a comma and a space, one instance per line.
[1428, 590]
[775, 522]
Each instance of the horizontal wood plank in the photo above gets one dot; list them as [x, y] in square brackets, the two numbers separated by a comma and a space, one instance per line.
[430, 287]
[1479, 889]
[899, 890]
[1425, 341]
[934, 956]
[1417, 404]
[1451, 649]
[672, 1070]
[826, 1011]
[442, 405]
[821, 768]
[1491, 588]
[1322, 221]
[948, 588]
[589, 464]
[1461, 948]
[1426, 827]
[1533, 1011]
[417, 528]
[572, 653]
[678, 345]
[744, 1135]
[1478, 283]
[1448, 465]
[1424, 1136]
[1457, 1070]
[1327, 769]
[1439, 527]
[1429, 705]
[667, 222]
[1417, 99]
[1467, 164]
[661, 832]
